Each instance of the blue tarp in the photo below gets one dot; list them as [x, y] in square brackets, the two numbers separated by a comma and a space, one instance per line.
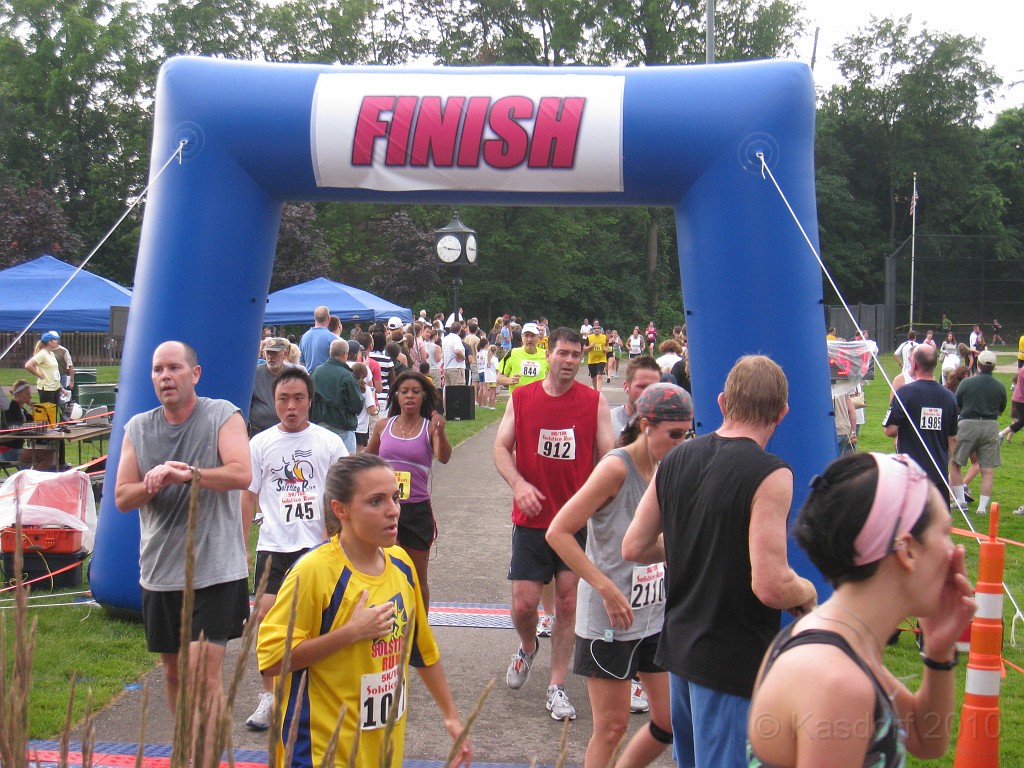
[83, 306]
[296, 304]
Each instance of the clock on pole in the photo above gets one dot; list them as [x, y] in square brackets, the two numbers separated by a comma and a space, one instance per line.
[456, 247]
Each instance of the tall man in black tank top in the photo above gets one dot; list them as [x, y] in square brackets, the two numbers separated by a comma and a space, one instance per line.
[721, 502]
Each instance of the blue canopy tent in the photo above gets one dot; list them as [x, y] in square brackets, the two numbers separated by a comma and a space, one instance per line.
[296, 304]
[83, 306]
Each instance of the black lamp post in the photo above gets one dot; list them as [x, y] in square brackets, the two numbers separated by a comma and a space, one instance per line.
[455, 245]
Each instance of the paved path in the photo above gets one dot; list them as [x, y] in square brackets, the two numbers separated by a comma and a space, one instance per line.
[469, 566]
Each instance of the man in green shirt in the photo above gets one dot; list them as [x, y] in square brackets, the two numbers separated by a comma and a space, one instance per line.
[525, 364]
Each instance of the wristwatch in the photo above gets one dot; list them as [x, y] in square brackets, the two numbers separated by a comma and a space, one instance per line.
[941, 666]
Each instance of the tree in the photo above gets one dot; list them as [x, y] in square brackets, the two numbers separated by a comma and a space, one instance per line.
[911, 104]
[302, 252]
[407, 269]
[32, 224]
[317, 31]
[74, 90]
[1003, 164]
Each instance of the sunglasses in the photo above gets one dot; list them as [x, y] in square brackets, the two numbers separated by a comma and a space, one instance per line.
[675, 434]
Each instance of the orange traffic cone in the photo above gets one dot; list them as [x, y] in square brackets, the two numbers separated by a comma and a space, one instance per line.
[977, 745]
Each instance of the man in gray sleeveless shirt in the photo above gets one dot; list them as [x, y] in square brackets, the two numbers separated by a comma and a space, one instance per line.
[188, 439]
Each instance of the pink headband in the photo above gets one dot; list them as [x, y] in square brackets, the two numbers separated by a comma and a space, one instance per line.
[900, 496]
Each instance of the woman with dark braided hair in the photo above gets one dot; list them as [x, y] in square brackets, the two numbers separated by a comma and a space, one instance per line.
[879, 532]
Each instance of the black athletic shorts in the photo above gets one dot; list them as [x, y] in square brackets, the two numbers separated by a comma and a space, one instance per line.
[280, 563]
[416, 526]
[219, 612]
[596, 369]
[617, 660]
[533, 559]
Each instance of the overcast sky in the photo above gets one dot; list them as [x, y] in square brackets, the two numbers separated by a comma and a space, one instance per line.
[999, 22]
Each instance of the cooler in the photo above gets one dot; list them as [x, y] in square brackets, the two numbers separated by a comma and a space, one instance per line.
[47, 564]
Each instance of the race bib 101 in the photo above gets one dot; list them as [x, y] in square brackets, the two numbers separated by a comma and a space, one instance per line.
[377, 694]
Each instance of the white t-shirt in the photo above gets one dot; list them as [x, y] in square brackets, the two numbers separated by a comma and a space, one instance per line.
[666, 361]
[288, 472]
[636, 345]
[586, 329]
[906, 351]
[449, 344]
[369, 398]
[491, 371]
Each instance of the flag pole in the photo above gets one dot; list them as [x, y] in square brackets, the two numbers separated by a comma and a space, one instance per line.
[913, 243]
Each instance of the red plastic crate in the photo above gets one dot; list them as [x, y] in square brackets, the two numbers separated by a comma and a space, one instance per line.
[57, 539]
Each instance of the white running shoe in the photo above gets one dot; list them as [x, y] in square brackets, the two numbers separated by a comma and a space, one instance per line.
[545, 626]
[638, 698]
[519, 668]
[558, 704]
[260, 719]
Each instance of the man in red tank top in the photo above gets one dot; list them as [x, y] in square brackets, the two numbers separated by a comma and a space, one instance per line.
[553, 433]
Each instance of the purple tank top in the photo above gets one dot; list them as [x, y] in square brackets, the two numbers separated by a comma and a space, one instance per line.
[411, 459]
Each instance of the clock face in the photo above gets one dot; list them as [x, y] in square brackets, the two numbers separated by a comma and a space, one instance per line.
[449, 248]
[471, 248]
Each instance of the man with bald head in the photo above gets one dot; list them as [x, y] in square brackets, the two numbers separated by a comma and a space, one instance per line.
[188, 439]
[337, 400]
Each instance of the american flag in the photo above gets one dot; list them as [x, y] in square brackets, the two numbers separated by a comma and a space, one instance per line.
[913, 202]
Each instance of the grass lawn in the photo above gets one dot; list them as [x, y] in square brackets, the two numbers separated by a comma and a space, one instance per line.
[903, 659]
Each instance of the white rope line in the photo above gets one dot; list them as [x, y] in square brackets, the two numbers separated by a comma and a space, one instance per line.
[48, 597]
[135, 202]
[765, 170]
[766, 173]
[87, 603]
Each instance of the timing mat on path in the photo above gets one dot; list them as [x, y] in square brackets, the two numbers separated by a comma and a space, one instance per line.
[45, 754]
[487, 616]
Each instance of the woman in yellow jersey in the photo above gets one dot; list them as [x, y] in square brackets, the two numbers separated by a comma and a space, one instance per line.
[358, 601]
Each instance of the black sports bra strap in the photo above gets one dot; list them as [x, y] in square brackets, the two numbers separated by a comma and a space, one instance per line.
[787, 640]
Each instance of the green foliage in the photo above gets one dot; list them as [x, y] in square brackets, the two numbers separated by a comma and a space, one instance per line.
[76, 97]
[910, 104]
[32, 224]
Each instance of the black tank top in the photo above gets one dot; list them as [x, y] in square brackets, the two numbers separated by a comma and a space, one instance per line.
[886, 749]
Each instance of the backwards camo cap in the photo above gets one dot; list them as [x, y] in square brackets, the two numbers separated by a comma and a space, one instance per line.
[664, 402]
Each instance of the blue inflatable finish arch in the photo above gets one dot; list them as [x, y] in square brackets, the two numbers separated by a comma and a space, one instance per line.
[259, 135]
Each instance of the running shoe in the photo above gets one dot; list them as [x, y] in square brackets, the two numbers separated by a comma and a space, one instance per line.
[545, 626]
[260, 719]
[967, 496]
[1019, 510]
[638, 698]
[558, 704]
[519, 669]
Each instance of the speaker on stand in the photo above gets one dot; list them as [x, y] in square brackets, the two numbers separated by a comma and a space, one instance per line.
[459, 403]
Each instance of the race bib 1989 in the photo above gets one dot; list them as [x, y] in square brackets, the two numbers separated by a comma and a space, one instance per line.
[931, 418]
